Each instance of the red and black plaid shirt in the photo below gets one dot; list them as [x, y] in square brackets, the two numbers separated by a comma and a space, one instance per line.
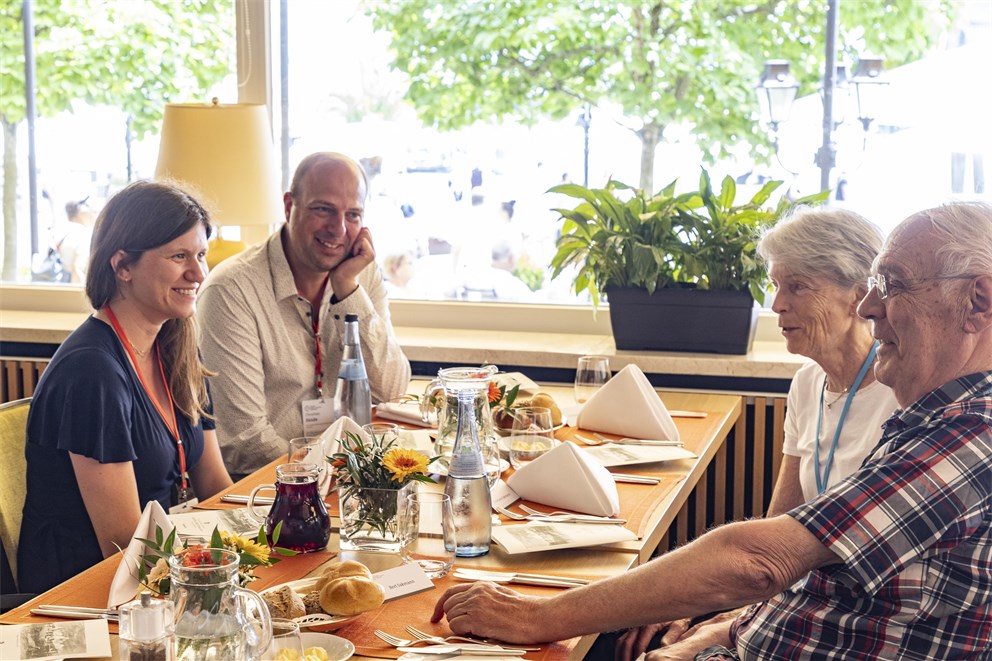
[913, 531]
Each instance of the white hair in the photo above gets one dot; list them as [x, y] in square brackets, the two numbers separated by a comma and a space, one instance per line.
[963, 233]
[835, 244]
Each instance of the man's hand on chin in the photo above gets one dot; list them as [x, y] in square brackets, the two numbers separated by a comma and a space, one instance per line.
[344, 276]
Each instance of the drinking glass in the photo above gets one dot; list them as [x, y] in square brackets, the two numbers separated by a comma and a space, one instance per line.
[382, 432]
[427, 532]
[287, 644]
[590, 374]
[309, 450]
[532, 435]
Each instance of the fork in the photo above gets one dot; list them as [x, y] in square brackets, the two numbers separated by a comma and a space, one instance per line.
[396, 641]
[421, 635]
[510, 515]
[591, 441]
[577, 517]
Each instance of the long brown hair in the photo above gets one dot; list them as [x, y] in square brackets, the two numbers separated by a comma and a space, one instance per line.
[142, 216]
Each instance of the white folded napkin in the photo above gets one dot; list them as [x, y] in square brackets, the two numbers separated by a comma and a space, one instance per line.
[510, 379]
[125, 583]
[565, 477]
[627, 405]
[337, 431]
[408, 412]
[417, 439]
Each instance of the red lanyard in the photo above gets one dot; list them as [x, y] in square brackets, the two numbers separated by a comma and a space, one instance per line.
[319, 369]
[169, 420]
[315, 322]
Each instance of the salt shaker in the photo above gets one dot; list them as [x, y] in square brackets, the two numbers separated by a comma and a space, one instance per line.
[147, 629]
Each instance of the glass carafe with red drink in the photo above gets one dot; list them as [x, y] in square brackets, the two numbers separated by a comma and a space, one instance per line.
[306, 526]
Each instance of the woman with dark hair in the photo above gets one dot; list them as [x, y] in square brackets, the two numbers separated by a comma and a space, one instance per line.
[122, 414]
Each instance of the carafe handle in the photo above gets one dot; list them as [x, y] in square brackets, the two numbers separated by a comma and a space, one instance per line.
[252, 514]
[430, 392]
[258, 630]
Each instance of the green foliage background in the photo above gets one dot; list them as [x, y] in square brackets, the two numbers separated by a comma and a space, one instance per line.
[130, 54]
[693, 61]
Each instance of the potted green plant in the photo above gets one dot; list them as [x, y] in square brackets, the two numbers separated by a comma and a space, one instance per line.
[680, 271]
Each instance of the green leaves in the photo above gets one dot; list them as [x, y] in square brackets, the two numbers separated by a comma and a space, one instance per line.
[698, 238]
[661, 63]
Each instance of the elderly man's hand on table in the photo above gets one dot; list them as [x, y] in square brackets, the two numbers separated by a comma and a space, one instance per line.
[489, 610]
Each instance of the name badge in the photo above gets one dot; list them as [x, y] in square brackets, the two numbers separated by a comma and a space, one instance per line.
[318, 414]
[184, 506]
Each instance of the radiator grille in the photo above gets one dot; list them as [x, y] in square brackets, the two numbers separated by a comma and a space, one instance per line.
[738, 484]
[19, 376]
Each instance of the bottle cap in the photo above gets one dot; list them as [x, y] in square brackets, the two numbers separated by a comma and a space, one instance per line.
[350, 317]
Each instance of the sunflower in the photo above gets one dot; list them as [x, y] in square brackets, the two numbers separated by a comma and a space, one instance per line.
[243, 545]
[403, 462]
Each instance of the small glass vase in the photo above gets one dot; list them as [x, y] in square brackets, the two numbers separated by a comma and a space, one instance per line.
[369, 518]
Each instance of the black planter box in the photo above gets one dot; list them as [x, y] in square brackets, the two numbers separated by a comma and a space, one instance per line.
[679, 319]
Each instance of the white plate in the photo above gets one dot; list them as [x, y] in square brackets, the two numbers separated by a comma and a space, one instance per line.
[303, 587]
[338, 649]
[437, 468]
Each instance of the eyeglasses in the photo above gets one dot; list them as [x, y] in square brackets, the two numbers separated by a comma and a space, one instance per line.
[891, 286]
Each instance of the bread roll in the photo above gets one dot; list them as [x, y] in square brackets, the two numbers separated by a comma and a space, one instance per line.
[547, 401]
[284, 603]
[311, 601]
[340, 570]
[351, 595]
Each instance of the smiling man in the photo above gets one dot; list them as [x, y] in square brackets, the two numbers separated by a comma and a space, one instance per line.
[272, 318]
[896, 559]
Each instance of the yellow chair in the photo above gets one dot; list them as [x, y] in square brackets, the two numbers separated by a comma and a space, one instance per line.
[13, 474]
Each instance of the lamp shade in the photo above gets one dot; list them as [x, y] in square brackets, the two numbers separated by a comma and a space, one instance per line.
[225, 152]
[776, 91]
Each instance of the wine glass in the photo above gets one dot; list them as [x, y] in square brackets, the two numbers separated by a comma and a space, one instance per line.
[532, 435]
[591, 373]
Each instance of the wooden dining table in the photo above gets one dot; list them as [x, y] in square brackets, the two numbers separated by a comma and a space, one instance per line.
[650, 510]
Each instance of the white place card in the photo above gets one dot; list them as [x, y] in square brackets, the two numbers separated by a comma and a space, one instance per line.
[56, 640]
[540, 536]
[403, 580]
[625, 455]
[502, 494]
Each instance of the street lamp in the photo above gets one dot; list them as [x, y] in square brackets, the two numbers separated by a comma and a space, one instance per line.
[869, 88]
[777, 90]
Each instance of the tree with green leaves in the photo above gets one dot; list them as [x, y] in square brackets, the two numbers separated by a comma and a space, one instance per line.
[136, 55]
[690, 62]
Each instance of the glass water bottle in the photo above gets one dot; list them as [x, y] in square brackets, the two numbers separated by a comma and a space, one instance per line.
[467, 486]
[352, 396]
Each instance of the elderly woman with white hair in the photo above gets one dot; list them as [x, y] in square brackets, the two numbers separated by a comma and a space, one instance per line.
[819, 261]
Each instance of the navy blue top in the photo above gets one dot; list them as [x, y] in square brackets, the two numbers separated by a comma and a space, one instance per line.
[90, 402]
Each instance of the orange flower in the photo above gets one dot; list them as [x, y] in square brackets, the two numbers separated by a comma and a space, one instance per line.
[403, 462]
[495, 394]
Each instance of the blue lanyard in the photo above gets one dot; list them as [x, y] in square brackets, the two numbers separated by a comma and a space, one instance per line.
[821, 481]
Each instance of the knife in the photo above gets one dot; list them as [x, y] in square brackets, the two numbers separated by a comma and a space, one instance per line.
[70, 613]
[243, 500]
[474, 650]
[635, 479]
[656, 443]
[686, 414]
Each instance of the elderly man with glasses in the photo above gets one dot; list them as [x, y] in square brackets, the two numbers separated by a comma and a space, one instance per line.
[895, 560]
